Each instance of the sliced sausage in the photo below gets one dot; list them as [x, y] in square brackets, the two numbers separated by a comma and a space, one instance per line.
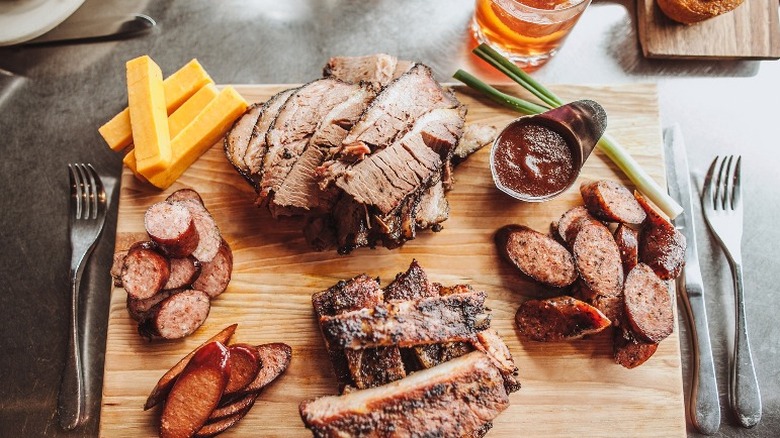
[629, 351]
[163, 386]
[611, 202]
[214, 428]
[627, 240]
[558, 319]
[648, 304]
[184, 272]
[230, 406]
[184, 194]
[661, 245]
[177, 316]
[196, 392]
[209, 237]
[116, 267]
[536, 255]
[215, 275]
[140, 310]
[275, 359]
[144, 271]
[244, 366]
[611, 307]
[172, 227]
[567, 224]
[597, 259]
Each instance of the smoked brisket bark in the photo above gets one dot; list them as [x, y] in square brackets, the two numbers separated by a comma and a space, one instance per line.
[456, 398]
[351, 368]
[289, 134]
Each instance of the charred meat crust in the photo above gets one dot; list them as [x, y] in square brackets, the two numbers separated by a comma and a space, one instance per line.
[456, 398]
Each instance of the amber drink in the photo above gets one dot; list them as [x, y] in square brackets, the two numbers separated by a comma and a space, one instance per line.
[529, 32]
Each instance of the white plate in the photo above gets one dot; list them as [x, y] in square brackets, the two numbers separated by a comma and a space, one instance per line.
[23, 20]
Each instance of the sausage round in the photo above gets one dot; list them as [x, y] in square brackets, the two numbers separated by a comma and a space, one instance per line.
[611, 202]
[184, 272]
[661, 245]
[627, 240]
[144, 271]
[184, 194]
[629, 351]
[536, 255]
[140, 310]
[568, 224]
[648, 304]
[597, 259]
[558, 319]
[244, 366]
[172, 227]
[209, 236]
[215, 275]
[177, 316]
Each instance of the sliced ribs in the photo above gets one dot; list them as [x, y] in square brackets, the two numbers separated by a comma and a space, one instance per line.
[456, 398]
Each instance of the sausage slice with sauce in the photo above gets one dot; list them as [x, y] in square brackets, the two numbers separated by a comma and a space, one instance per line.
[558, 319]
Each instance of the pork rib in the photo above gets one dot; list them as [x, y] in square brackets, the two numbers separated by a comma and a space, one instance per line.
[456, 398]
[431, 320]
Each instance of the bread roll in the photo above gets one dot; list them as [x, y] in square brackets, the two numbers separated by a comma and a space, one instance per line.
[693, 11]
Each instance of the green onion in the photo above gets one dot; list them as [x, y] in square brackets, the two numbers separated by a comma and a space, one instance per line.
[607, 144]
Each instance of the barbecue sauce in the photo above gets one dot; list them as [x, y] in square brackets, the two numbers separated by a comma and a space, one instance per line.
[533, 160]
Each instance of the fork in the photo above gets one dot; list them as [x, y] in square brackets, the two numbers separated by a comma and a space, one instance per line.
[722, 206]
[87, 216]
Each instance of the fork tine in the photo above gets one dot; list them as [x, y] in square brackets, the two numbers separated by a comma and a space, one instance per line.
[85, 193]
[93, 201]
[720, 186]
[75, 191]
[99, 190]
[709, 192]
[736, 197]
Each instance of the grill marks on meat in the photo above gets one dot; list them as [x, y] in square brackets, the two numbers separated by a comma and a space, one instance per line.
[456, 398]
[294, 125]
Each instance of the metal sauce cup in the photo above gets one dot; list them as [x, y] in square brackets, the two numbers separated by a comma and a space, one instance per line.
[580, 123]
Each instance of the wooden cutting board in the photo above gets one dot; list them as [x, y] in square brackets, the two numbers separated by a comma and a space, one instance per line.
[569, 388]
[751, 31]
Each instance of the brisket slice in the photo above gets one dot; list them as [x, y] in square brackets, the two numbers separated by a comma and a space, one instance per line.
[296, 121]
[475, 137]
[237, 139]
[433, 208]
[379, 68]
[431, 320]
[257, 146]
[300, 193]
[388, 116]
[359, 368]
[453, 399]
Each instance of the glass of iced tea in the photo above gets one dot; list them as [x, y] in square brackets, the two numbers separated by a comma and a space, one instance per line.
[529, 32]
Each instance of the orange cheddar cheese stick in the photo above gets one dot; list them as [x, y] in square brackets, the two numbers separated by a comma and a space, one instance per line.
[178, 88]
[148, 116]
[200, 134]
[181, 117]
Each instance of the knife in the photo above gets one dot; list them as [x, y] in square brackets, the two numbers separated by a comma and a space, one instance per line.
[101, 29]
[704, 401]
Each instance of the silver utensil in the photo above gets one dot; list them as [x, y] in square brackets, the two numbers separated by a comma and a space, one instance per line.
[87, 216]
[722, 205]
[94, 30]
[704, 401]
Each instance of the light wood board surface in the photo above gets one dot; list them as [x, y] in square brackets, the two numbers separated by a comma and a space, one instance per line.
[751, 31]
[569, 388]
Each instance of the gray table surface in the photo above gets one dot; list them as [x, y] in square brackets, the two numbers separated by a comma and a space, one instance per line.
[57, 96]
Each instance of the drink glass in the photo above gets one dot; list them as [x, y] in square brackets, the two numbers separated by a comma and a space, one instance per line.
[529, 32]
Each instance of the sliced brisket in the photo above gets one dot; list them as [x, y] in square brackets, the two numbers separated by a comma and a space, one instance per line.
[257, 146]
[379, 68]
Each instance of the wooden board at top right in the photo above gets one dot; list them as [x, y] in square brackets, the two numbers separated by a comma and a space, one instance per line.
[751, 31]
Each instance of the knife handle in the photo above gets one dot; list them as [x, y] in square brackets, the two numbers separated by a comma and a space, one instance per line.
[704, 402]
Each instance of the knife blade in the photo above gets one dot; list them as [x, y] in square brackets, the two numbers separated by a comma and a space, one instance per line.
[101, 29]
[704, 401]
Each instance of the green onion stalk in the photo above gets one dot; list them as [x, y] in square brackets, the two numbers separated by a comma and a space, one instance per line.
[607, 144]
